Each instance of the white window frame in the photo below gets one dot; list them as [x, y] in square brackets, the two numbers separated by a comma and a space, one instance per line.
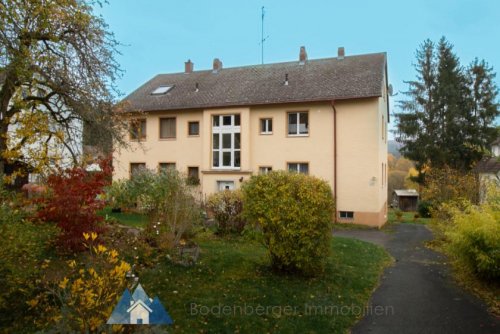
[346, 214]
[221, 130]
[300, 166]
[297, 132]
[264, 126]
[222, 184]
[265, 169]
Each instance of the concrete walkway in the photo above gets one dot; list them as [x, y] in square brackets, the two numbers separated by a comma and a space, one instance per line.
[417, 293]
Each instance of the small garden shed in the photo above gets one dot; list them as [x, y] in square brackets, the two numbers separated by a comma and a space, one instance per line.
[405, 199]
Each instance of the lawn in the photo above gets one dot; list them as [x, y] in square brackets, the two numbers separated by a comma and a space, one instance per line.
[125, 218]
[408, 217]
[231, 290]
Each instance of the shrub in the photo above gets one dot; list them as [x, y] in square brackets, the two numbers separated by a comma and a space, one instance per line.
[72, 203]
[82, 299]
[24, 246]
[294, 212]
[474, 238]
[227, 207]
[167, 200]
[117, 195]
[424, 209]
[447, 184]
[399, 215]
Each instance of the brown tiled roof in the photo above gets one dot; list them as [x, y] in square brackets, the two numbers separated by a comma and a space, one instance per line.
[488, 165]
[316, 80]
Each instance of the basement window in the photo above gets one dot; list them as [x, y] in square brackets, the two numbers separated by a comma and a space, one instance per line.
[163, 89]
[346, 215]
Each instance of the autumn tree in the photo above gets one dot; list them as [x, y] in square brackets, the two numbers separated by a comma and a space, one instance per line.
[447, 117]
[58, 73]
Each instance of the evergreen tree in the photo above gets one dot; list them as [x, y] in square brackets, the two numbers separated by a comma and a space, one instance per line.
[447, 118]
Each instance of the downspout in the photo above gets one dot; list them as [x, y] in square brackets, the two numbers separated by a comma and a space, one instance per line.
[335, 158]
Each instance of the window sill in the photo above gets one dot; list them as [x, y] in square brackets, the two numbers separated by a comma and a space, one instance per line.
[226, 171]
[295, 136]
[167, 139]
[265, 133]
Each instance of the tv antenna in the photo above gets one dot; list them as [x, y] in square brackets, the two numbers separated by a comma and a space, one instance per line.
[263, 39]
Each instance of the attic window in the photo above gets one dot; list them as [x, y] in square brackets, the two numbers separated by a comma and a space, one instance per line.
[161, 90]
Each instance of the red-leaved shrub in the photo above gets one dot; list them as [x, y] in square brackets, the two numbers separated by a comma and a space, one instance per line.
[72, 203]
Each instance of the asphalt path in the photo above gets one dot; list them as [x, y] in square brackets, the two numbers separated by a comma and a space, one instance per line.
[417, 294]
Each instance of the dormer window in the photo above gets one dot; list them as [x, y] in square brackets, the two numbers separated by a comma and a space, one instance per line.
[161, 90]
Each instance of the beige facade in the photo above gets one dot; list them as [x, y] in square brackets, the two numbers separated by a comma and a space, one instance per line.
[360, 145]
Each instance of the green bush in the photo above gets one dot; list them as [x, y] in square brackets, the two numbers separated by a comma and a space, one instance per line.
[474, 237]
[227, 207]
[167, 200]
[24, 247]
[424, 209]
[117, 195]
[294, 212]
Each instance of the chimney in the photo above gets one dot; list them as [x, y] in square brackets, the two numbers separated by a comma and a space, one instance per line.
[217, 65]
[341, 53]
[188, 66]
[302, 55]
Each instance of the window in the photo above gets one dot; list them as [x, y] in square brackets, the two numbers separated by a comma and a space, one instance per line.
[298, 167]
[226, 148]
[265, 169]
[193, 176]
[225, 185]
[166, 166]
[167, 128]
[136, 167]
[138, 129]
[346, 215]
[266, 126]
[161, 90]
[298, 123]
[193, 128]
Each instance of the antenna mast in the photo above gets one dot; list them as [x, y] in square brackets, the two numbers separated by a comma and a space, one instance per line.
[262, 40]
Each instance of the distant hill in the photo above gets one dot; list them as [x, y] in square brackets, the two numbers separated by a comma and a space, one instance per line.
[393, 148]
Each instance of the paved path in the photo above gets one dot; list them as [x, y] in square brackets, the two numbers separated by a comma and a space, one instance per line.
[417, 292]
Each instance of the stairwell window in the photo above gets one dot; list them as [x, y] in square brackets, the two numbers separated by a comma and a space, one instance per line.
[298, 123]
[226, 146]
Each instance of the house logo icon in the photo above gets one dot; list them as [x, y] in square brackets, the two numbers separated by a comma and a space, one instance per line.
[139, 309]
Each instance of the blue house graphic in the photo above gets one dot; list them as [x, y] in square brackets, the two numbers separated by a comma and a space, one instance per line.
[138, 308]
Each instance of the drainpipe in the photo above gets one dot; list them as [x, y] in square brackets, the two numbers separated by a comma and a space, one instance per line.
[335, 158]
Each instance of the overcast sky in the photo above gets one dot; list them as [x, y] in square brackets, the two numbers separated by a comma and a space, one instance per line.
[158, 36]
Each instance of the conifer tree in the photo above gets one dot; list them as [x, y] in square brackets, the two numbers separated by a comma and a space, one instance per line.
[447, 117]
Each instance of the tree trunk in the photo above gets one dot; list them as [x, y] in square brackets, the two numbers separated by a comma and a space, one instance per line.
[6, 92]
[3, 146]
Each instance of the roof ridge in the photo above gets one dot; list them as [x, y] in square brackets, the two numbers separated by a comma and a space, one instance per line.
[277, 63]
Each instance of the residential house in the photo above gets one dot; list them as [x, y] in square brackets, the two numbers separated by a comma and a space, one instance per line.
[324, 117]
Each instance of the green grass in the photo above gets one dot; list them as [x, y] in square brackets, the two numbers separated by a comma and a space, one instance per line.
[235, 274]
[126, 218]
[408, 217]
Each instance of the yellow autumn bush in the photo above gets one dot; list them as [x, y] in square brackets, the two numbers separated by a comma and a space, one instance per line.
[294, 212]
[474, 236]
[84, 298]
